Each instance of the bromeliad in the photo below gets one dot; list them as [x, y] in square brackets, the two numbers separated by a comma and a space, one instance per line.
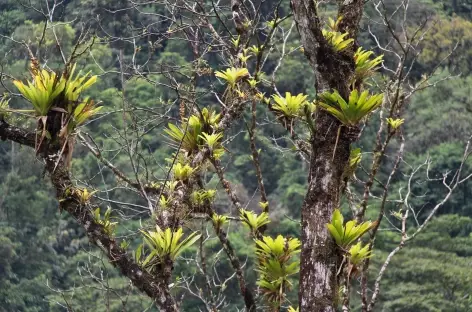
[276, 265]
[346, 234]
[352, 112]
[365, 66]
[57, 93]
[252, 220]
[232, 75]
[165, 245]
[290, 105]
[41, 90]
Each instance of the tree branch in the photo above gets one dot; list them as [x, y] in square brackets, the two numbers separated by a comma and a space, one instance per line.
[96, 233]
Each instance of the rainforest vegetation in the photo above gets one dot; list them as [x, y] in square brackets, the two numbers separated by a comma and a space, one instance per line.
[177, 155]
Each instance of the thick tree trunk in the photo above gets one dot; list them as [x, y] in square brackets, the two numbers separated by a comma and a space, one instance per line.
[333, 70]
[319, 259]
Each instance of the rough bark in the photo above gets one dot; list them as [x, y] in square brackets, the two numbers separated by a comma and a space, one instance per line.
[333, 70]
[8, 132]
[319, 258]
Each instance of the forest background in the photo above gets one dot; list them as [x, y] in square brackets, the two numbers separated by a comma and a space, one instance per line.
[46, 263]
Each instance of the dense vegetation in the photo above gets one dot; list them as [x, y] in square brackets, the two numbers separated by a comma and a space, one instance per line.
[46, 262]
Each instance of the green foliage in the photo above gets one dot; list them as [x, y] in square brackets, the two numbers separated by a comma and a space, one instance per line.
[357, 253]
[290, 106]
[188, 138]
[191, 134]
[75, 86]
[272, 23]
[182, 172]
[164, 202]
[40, 247]
[4, 108]
[232, 75]
[235, 41]
[443, 157]
[335, 38]
[83, 112]
[294, 67]
[202, 196]
[346, 234]
[165, 244]
[108, 226]
[32, 30]
[428, 108]
[42, 90]
[461, 8]
[252, 83]
[46, 86]
[11, 16]
[433, 274]
[252, 220]
[84, 195]
[255, 49]
[352, 112]
[276, 266]
[264, 205]
[211, 140]
[365, 66]
[395, 123]
[448, 36]
[244, 57]
[355, 158]
[218, 220]
[210, 117]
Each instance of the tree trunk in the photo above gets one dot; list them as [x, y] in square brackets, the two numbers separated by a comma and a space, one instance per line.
[330, 155]
[319, 260]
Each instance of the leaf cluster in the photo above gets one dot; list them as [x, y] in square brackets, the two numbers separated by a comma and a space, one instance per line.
[276, 265]
[197, 131]
[334, 37]
[42, 90]
[365, 66]
[346, 234]
[355, 158]
[165, 245]
[252, 220]
[74, 86]
[395, 123]
[4, 108]
[108, 226]
[352, 112]
[84, 195]
[232, 75]
[218, 220]
[46, 86]
[199, 197]
[337, 40]
[291, 105]
[357, 253]
[182, 172]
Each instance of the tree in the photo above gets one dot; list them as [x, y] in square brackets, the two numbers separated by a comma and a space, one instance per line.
[227, 83]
